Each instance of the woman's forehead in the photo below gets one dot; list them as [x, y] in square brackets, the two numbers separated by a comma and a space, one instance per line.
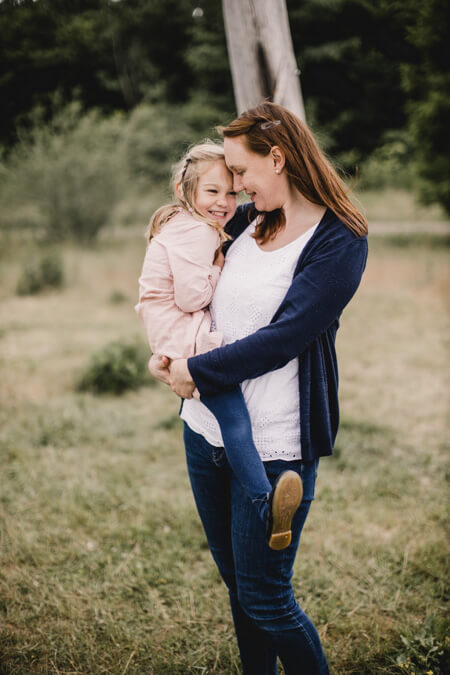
[236, 151]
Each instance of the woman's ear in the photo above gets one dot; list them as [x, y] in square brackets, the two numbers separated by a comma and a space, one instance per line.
[278, 158]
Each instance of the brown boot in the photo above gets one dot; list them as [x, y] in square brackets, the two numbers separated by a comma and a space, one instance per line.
[284, 500]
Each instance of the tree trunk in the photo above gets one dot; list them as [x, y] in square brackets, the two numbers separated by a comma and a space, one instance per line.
[261, 54]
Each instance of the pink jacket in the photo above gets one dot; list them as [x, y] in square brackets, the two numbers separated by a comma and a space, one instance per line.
[176, 285]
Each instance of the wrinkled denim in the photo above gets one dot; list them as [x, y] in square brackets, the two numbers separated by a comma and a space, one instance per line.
[230, 411]
[268, 620]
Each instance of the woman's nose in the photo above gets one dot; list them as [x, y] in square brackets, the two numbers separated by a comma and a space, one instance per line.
[237, 184]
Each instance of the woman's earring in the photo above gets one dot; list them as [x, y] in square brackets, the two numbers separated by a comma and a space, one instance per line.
[277, 170]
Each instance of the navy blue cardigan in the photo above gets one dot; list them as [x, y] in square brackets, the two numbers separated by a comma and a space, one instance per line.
[326, 277]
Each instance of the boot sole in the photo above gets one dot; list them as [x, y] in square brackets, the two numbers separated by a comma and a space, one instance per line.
[286, 500]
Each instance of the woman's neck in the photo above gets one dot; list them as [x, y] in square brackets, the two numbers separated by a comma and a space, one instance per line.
[301, 214]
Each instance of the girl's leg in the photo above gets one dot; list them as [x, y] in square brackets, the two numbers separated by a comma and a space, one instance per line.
[276, 505]
[230, 410]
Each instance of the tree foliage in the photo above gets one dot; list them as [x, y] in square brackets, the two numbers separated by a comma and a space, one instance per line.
[427, 84]
[368, 69]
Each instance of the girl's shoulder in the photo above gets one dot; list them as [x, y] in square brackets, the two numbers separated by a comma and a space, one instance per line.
[185, 225]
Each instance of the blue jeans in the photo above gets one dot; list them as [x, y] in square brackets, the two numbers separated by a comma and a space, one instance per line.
[268, 620]
[230, 410]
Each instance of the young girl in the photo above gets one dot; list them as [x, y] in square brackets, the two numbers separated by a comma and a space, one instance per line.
[181, 269]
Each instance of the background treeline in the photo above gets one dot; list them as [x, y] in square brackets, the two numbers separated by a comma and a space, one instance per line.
[375, 80]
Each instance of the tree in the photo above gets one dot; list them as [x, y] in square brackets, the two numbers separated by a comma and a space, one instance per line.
[427, 85]
[261, 54]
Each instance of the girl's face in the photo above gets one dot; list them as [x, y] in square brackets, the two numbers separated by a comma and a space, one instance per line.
[254, 173]
[214, 195]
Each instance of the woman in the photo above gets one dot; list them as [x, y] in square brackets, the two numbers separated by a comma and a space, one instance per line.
[287, 277]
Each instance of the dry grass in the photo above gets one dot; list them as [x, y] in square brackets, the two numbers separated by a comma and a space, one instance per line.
[104, 567]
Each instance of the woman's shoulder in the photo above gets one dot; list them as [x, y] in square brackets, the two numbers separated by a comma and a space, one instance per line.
[333, 240]
[332, 231]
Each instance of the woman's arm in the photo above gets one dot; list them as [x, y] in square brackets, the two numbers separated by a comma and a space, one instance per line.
[315, 299]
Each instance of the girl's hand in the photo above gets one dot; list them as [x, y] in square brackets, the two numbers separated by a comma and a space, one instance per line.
[180, 379]
[219, 260]
[159, 368]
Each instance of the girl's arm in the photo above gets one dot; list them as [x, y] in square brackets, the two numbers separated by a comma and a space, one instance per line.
[190, 252]
[315, 299]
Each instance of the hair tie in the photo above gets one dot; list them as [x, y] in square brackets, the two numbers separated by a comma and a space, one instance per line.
[186, 164]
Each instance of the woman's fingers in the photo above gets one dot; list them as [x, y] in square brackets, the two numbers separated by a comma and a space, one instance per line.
[181, 381]
[185, 391]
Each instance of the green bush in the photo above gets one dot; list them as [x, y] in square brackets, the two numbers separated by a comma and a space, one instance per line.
[116, 368]
[71, 168]
[39, 274]
[117, 297]
[390, 165]
[156, 136]
[66, 177]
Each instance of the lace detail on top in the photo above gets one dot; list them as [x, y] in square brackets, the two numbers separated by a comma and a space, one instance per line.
[251, 287]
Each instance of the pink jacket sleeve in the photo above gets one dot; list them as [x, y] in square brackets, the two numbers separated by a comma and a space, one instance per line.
[191, 261]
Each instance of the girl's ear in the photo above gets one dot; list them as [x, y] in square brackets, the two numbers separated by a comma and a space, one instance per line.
[179, 191]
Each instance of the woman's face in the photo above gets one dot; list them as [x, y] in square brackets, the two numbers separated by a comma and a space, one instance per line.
[253, 173]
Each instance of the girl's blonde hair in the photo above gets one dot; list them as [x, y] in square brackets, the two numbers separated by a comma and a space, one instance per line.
[185, 176]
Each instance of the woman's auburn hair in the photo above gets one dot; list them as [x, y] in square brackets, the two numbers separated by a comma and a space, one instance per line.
[306, 166]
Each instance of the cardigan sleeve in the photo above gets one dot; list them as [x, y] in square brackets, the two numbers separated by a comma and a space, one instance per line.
[315, 299]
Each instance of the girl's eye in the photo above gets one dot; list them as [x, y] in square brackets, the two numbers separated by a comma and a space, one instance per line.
[232, 193]
[211, 190]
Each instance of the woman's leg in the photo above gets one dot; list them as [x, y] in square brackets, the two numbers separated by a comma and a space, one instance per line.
[230, 410]
[263, 578]
[211, 476]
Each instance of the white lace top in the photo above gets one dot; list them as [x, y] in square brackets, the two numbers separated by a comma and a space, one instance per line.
[250, 289]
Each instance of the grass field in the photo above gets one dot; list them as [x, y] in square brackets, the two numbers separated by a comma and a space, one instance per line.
[103, 564]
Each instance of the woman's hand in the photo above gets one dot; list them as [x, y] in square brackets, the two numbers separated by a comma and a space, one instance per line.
[180, 379]
[159, 368]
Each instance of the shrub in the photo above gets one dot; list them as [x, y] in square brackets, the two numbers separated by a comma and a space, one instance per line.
[70, 168]
[117, 298]
[390, 165]
[116, 368]
[66, 177]
[41, 274]
[156, 136]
